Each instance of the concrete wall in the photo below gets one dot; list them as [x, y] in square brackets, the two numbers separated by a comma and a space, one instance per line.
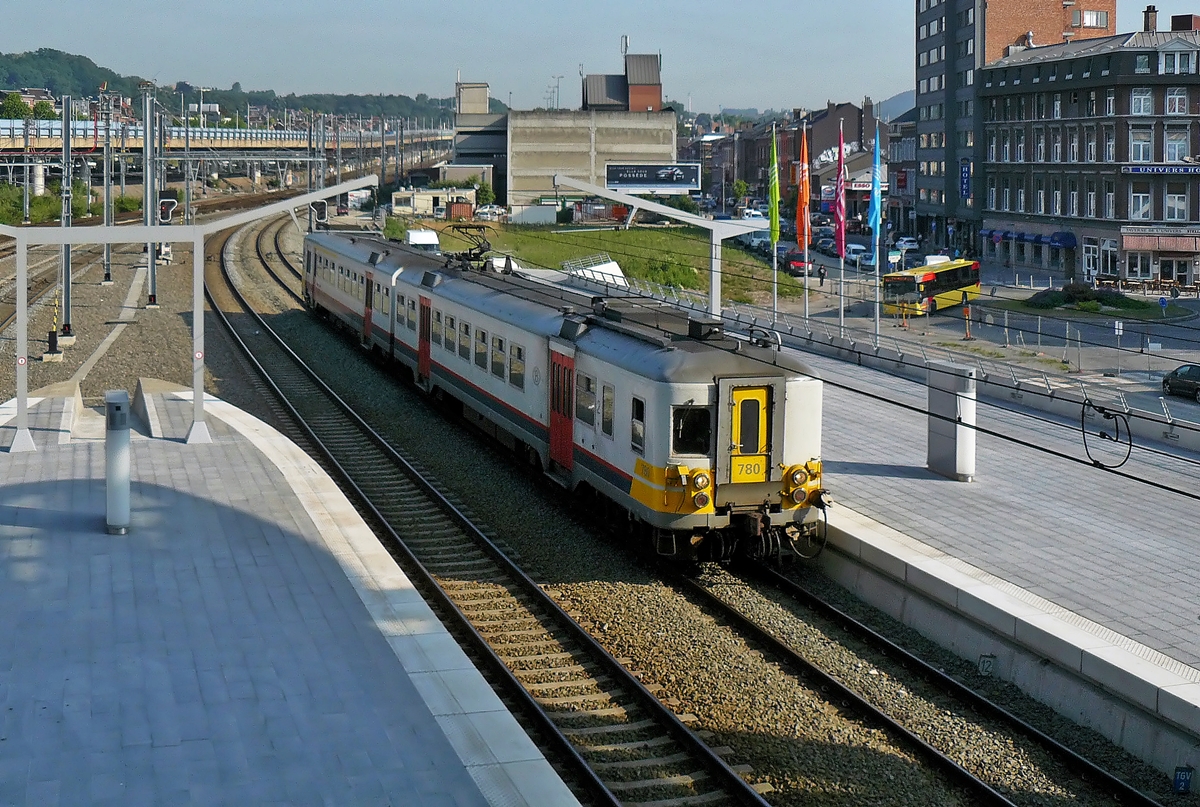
[580, 144]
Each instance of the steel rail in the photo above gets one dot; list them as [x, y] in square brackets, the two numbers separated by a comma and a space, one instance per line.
[728, 779]
[1080, 765]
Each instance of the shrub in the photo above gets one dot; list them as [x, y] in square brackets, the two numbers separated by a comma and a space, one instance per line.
[1085, 298]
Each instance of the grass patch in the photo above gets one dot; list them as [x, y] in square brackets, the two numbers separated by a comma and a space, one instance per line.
[1150, 312]
[987, 353]
[672, 256]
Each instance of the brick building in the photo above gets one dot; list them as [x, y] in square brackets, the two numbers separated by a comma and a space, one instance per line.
[1088, 156]
[955, 38]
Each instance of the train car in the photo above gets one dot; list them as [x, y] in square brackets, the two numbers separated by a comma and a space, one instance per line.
[700, 444]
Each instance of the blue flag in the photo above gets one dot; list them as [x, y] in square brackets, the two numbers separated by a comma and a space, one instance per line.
[875, 212]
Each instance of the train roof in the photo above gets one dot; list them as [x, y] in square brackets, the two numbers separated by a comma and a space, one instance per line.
[639, 334]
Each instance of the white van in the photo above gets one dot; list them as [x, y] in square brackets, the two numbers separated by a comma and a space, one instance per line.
[425, 240]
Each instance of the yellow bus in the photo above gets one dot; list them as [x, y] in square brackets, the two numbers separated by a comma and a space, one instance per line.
[932, 288]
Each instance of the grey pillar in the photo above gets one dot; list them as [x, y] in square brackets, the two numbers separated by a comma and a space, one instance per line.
[67, 180]
[23, 440]
[199, 431]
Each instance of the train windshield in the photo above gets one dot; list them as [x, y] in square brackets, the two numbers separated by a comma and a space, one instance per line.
[900, 289]
[691, 430]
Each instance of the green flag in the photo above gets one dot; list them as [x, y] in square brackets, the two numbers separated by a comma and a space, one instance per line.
[773, 182]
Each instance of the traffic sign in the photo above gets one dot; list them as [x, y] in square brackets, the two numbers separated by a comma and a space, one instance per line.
[1119, 327]
[1162, 302]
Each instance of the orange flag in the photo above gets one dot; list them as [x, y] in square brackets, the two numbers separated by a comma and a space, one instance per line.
[804, 193]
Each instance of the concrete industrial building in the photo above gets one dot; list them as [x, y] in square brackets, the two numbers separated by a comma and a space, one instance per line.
[580, 144]
[621, 121]
[955, 38]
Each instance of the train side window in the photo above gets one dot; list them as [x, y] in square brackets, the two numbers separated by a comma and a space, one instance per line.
[637, 426]
[387, 302]
[691, 430]
[498, 356]
[435, 333]
[585, 399]
[464, 341]
[449, 333]
[481, 349]
[412, 313]
[516, 366]
[399, 306]
[607, 409]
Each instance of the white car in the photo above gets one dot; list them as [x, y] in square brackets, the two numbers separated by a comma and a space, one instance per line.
[906, 243]
[854, 251]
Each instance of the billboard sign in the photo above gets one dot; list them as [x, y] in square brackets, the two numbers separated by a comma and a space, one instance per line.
[664, 179]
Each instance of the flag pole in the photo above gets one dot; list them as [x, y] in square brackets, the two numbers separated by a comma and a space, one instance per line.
[877, 224]
[773, 180]
[805, 193]
[840, 202]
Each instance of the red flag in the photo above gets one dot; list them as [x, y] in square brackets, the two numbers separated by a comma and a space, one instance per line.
[804, 193]
[839, 197]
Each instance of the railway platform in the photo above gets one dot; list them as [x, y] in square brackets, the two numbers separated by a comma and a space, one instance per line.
[248, 642]
[1076, 569]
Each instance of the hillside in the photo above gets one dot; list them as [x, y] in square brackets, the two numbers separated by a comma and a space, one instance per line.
[70, 74]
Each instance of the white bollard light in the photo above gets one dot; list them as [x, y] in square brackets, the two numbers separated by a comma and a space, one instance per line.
[116, 460]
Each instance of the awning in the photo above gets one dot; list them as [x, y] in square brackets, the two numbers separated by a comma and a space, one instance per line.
[1063, 240]
[985, 233]
[1028, 238]
[1011, 235]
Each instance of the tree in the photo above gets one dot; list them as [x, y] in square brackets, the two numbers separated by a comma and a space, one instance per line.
[485, 195]
[13, 108]
[740, 189]
[44, 110]
[683, 202]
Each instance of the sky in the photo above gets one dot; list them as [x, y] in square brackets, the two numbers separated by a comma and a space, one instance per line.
[767, 54]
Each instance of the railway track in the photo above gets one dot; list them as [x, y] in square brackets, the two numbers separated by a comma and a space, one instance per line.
[626, 746]
[264, 253]
[1092, 783]
[912, 672]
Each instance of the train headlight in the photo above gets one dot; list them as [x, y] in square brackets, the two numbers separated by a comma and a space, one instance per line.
[799, 495]
[701, 480]
[701, 500]
[799, 477]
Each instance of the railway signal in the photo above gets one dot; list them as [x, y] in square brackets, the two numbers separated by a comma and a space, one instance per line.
[320, 211]
[166, 208]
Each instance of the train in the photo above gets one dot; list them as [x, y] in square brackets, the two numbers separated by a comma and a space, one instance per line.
[697, 444]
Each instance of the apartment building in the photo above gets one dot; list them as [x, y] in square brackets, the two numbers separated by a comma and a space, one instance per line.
[955, 38]
[1088, 156]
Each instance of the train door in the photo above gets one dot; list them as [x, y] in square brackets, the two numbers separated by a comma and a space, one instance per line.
[310, 276]
[368, 307]
[747, 431]
[562, 418]
[423, 339]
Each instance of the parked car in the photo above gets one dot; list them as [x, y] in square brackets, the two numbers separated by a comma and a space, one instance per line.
[907, 244]
[760, 243]
[821, 232]
[854, 252]
[1183, 381]
[827, 246]
[793, 263]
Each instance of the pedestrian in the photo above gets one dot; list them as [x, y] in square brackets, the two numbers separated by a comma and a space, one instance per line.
[821, 275]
